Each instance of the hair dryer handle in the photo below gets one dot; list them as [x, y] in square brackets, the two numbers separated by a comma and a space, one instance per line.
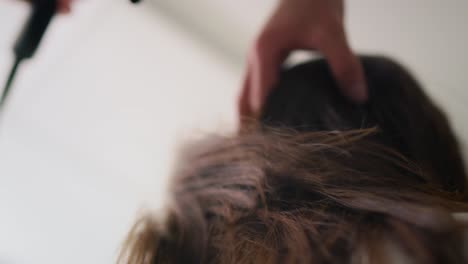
[42, 12]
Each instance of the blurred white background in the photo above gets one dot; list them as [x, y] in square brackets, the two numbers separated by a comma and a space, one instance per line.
[89, 134]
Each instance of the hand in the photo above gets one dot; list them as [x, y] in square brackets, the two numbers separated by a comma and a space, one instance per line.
[300, 24]
[64, 6]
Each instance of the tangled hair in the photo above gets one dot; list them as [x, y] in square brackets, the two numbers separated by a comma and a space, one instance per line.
[319, 180]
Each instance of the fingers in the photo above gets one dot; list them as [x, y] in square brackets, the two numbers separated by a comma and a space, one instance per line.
[345, 66]
[266, 58]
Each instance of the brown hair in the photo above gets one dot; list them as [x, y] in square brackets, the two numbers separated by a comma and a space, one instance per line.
[319, 180]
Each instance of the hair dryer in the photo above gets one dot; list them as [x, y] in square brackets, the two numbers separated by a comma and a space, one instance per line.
[42, 12]
[26, 45]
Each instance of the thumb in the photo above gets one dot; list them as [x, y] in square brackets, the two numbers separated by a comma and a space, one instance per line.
[265, 66]
[243, 103]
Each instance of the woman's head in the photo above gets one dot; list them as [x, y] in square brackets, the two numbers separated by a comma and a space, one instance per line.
[319, 180]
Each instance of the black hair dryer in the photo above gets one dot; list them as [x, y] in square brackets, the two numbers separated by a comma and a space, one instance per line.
[42, 12]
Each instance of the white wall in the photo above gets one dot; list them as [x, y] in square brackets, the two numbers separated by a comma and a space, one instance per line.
[89, 134]
[90, 130]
